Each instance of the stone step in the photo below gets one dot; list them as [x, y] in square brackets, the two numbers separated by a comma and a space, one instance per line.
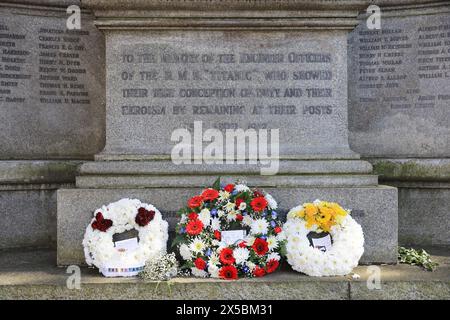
[32, 274]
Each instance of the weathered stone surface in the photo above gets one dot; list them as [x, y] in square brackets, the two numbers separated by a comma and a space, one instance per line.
[28, 217]
[28, 200]
[52, 84]
[38, 171]
[33, 275]
[374, 207]
[424, 218]
[160, 81]
[398, 100]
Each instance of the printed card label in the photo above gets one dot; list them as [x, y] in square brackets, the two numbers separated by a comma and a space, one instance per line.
[323, 244]
[231, 237]
[127, 245]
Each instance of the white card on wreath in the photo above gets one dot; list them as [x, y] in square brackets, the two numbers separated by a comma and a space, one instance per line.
[231, 237]
[323, 244]
[127, 245]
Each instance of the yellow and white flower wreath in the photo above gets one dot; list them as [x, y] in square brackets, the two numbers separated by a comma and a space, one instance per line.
[346, 250]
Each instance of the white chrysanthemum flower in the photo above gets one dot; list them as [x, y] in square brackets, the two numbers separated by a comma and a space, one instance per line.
[250, 240]
[274, 256]
[199, 273]
[271, 201]
[272, 242]
[213, 271]
[183, 219]
[214, 259]
[215, 224]
[247, 220]
[251, 265]
[259, 226]
[241, 188]
[223, 195]
[205, 217]
[197, 245]
[185, 252]
[242, 206]
[231, 216]
[220, 213]
[241, 255]
[230, 206]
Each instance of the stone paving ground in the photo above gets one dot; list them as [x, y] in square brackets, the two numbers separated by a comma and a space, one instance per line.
[32, 274]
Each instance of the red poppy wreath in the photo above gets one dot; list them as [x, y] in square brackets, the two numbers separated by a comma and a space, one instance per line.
[229, 232]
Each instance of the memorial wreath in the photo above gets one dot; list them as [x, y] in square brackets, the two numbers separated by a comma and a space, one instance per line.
[127, 257]
[230, 232]
[323, 239]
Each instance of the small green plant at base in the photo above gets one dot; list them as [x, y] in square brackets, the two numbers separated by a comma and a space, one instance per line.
[416, 258]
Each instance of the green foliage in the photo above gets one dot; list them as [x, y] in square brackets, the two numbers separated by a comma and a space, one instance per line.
[216, 184]
[416, 258]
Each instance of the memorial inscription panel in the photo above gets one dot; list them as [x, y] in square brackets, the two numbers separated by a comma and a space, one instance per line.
[399, 97]
[292, 81]
[51, 86]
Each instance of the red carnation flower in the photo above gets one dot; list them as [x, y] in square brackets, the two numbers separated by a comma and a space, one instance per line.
[259, 204]
[242, 244]
[228, 273]
[258, 194]
[259, 272]
[272, 265]
[239, 217]
[200, 264]
[226, 256]
[210, 194]
[238, 202]
[229, 187]
[195, 202]
[217, 235]
[144, 216]
[277, 230]
[192, 216]
[194, 227]
[100, 223]
[260, 246]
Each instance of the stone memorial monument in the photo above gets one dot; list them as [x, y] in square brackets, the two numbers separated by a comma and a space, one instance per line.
[52, 113]
[399, 115]
[175, 69]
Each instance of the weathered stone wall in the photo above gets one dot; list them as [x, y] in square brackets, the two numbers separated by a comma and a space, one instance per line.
[52, 113]
[399, 112]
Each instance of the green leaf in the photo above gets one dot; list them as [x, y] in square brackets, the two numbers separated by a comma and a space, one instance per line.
[178, 239]
[216, 184]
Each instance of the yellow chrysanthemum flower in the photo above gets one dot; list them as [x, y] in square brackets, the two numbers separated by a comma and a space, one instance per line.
[324, 216]
[310, 209]
[310, 221]
[338, 209]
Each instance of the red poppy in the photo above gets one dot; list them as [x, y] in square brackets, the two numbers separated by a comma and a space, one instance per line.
[200, 264]
[259, 204]
[272, 265]
[210, 194]
[259, 272]
[194, 227]
[229, 187]
[277, 230]
[228, 273]
[144, 216]
[226, 256]
[192, 216]
[195, 202]
[100, 223]
[260, 247]
[217, 235]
